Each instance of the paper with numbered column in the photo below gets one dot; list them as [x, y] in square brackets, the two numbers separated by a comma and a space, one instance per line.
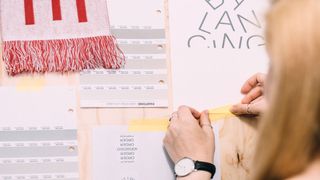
[138, 26]
[38, 135]
[119, 154]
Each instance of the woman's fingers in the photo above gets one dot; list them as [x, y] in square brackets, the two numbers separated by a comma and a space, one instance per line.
[253, 81]
[253, 94]
[240, 109]
[186, 138]
[205, 123]
[256, 108]
[187, 113]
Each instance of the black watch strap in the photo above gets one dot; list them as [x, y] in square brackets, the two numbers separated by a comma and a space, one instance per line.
[204, 166]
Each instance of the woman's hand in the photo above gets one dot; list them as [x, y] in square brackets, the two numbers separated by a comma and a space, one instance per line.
[190, 135]
[253, 102]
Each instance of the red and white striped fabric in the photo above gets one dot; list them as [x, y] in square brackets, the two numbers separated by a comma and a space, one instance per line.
[57, 36]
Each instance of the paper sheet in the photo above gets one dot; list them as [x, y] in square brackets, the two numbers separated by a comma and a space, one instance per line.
[138, 26]
[216, 46]
[122, 155]
[38, 136]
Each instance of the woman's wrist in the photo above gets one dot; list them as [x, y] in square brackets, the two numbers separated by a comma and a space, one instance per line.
[204, 159]
[196, 175]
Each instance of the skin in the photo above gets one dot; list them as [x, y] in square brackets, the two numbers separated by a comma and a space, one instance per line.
[254, 96]
[187, 138]
[311, 173]
[190, 135]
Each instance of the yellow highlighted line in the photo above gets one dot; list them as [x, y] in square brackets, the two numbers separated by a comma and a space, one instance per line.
[161, 124]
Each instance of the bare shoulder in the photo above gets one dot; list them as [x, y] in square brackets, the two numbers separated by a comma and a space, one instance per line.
[311, 173]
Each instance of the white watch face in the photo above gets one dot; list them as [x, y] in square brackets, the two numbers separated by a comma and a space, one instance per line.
[184, 167]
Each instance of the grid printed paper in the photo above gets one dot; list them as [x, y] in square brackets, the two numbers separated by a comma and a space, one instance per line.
[143, 81]
[38, 136]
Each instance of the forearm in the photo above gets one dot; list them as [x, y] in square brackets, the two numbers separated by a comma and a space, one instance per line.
[203, 175]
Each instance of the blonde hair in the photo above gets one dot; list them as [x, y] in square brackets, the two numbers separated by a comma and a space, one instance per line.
[289, 133]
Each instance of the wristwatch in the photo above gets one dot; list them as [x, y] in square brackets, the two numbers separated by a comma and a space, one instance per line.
[186, 166]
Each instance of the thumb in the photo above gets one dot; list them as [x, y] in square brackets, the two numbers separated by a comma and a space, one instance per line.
[242, 109]
[239, 109]
[205, 123]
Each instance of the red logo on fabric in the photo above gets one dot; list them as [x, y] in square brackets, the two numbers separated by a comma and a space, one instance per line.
[56, 11]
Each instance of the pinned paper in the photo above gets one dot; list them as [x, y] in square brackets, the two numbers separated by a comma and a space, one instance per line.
[31, 84]
[132, 153]
[143, 83]
[38, 135]
[161, 124]
[226, 37]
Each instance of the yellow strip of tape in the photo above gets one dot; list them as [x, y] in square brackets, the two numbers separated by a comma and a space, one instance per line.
[161, 124]
[30, 84]
[220, 113]
[148, 125]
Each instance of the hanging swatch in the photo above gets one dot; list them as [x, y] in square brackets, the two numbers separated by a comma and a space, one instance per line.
[57, 36]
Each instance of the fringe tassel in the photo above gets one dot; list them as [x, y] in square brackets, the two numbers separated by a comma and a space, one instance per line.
[62, 55]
